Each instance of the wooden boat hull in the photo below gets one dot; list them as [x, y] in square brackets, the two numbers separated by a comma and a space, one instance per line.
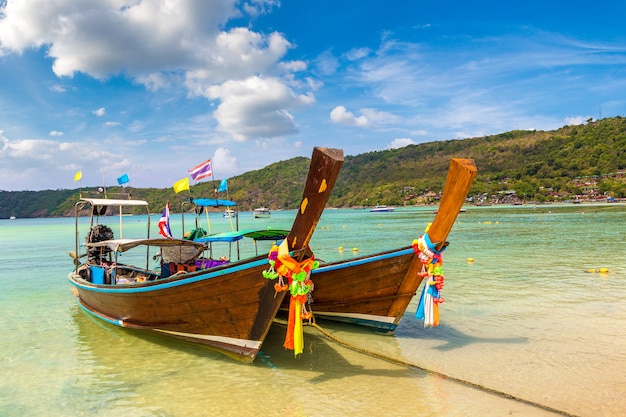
[375, 290]
[370, 290]
[228, 309]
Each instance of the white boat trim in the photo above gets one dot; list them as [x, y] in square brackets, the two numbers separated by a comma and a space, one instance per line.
[245, 343]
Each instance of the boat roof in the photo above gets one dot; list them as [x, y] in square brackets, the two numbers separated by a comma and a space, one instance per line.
[266, 234]
[114, 202]
[122, 245]
[212, 202]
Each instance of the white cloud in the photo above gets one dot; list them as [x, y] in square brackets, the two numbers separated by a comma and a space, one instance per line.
[100, 112]
[170, 44]
[224, 163]
[56, 133]
[401, 143]
[48, 164]
[111, 124]
[369, 118]
[357, 53]
[257, 107]
[377, 117]
[259, 7]
[578, 120]
[326, 63]
[342, 116]
[107, 37]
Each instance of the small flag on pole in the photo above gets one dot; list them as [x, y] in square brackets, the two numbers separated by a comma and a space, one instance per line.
[164, 223]
[78, 176]
[201, 171]
[181, 185]
[123, 179]
[223, 186]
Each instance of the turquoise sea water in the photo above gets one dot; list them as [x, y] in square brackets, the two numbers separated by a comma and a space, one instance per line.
[525, 318]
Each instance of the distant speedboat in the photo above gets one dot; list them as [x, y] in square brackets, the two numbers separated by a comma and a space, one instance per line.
[229, 213]
[382, 209]
[12, 218]
[261, 213]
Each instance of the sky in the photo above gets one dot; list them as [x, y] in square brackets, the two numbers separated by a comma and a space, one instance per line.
[153, 88]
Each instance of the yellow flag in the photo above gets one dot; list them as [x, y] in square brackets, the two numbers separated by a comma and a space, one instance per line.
[181, 185]
[78, 176]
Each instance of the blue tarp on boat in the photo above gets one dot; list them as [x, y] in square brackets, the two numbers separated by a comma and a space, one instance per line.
[212, 202]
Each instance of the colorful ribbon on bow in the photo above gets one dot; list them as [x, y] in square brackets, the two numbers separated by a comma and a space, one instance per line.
[432, 270]
[299, 284]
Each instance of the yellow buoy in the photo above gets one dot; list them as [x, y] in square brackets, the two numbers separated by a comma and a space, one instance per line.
[604, 270]
[470, 260]
[355, 249]
[591, 271]
[340, 248]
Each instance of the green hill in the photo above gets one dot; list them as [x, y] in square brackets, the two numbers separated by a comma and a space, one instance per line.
[584, 160]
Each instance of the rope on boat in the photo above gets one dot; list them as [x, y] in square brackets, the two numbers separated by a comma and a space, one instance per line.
[436, 373]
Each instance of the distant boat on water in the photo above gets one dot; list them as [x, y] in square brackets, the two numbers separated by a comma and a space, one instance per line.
[261, 213]
[381, 209]
[229, 213]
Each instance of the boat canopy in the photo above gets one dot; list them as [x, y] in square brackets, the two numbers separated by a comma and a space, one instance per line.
[114, 202]
[212, 202]
[123, 245]
[267, 234]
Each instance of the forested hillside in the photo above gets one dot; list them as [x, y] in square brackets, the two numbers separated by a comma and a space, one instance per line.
[585, 161]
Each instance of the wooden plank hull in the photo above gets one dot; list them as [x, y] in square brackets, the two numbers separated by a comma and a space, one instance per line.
[227, 309]
[375, 290]
[363, 290]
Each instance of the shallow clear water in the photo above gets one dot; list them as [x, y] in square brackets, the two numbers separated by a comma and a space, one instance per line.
[525, 318]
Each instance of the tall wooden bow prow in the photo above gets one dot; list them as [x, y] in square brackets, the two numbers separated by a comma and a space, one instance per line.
[323, 172]
[461, 174]
[315, 196]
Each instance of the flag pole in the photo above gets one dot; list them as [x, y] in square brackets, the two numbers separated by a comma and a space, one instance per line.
[232, 227]
[214, 187]
[217, 204]
[104, 184]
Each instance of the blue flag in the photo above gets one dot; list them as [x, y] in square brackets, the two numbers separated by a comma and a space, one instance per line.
[223, 186]
[123, 179]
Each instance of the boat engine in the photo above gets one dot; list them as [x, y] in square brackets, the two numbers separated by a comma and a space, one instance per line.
[99, 233]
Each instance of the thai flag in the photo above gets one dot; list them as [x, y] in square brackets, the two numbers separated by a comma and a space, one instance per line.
[201, 171]
[164, 223]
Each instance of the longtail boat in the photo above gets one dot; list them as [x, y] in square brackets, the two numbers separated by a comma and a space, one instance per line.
[387, 281]
[228, 308]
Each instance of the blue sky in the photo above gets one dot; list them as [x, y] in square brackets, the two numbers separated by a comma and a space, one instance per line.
[152, 88]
